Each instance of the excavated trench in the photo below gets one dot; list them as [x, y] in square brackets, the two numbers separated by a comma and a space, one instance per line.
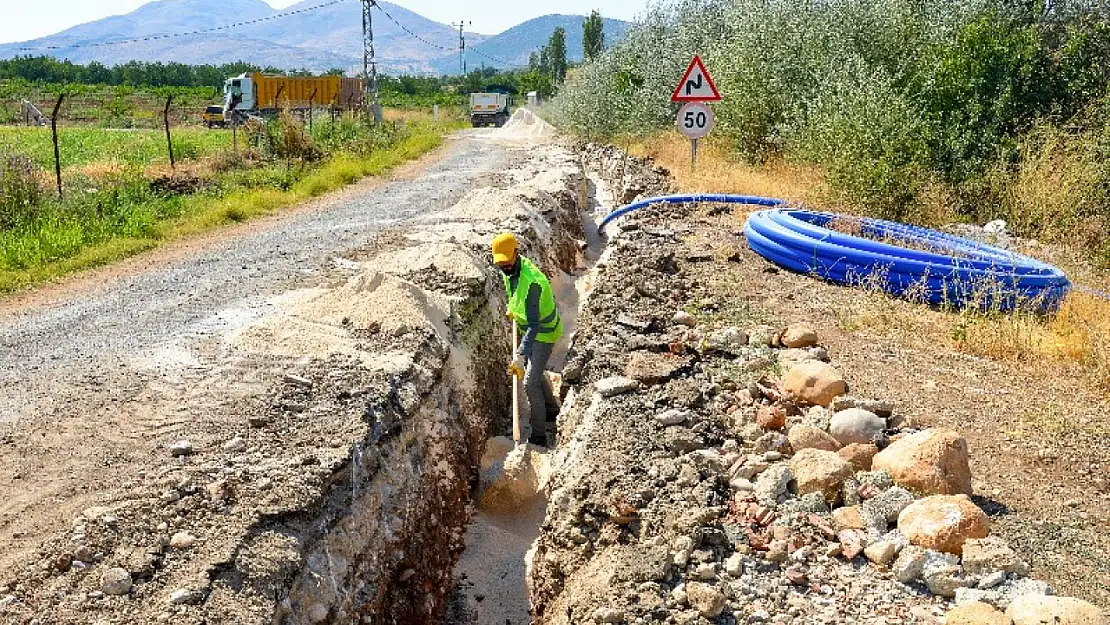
[397, 537]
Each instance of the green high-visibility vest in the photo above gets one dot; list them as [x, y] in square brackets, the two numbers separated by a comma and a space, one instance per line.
[551, 325]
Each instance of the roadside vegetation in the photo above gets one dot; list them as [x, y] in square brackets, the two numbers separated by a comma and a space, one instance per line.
[925, 112]
[121, 196]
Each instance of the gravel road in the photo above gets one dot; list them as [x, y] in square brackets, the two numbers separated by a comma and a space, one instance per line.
[98, 327]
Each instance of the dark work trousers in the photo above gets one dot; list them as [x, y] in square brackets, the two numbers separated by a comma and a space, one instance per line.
[540, 400]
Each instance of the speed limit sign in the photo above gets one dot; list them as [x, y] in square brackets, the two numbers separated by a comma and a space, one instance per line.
[695, 120]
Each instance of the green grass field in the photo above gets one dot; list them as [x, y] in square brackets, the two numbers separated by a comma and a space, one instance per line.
[127, 215]
[136, 148]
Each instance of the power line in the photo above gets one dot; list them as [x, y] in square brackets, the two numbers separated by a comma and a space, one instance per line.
[436, 45]
[100, 44]
[492, 58]
[405, 28]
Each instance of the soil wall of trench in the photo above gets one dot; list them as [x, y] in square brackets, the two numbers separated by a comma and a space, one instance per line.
[381, 544]
[365, 405]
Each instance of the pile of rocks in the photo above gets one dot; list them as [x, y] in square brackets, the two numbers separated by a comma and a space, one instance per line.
[710, 472]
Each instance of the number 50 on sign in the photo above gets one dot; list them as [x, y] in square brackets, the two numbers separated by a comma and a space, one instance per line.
[695, 120]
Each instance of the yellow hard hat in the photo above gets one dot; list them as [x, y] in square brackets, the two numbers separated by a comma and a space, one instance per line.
[504, 248]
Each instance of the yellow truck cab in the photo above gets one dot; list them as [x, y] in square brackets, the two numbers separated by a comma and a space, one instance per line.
[213, 116]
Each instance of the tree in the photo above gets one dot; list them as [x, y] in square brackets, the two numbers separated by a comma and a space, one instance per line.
[557, 54]
[534, 61]
[593, 36]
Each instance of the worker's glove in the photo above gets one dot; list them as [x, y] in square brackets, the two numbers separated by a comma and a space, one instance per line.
[516, 367]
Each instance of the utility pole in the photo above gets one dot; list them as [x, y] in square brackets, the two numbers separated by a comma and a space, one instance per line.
[462, 45]
[369, 65]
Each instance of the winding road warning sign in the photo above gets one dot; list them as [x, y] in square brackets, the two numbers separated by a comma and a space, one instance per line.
[696, 85]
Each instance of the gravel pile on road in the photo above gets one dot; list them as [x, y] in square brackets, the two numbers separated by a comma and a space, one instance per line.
[328, 477]
[710, 471]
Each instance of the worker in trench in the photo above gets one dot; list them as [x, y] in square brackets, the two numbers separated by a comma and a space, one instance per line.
[531, 305]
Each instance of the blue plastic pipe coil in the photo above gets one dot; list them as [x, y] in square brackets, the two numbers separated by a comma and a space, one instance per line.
[903, 260]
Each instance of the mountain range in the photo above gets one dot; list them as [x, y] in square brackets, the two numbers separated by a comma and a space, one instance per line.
[317, 39]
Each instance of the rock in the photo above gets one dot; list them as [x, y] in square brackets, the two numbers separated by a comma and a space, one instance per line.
[684, 318]
[879, 407]
[977, 613]
[983, 556]
[945, 580]
[814, 382]
[730, 339]
[218, 490]
[773, 484]
[759, 616]
[778, 551]
[809, 437]
[991, 580]
[84, 553]
[847, 517]
[852, 542]
[820, 471]
[855, 425]
[616, 385]
[771, 441]
[913, 562]
[608, 615]
[115, 582]
[859, 454]
[182, 540]
[186, 596]
[673, 416]
[741, 485]
[181, 448]
[236, 444]
[1040, 609]
[734, 565]
[799, 335]
[818, 417]
[318, 613]
[706, 599]
[771, 417]
[888, 504]
[706, 571]
[881, 552]
[297, 380]
[943, 522]
[931, 462]
[880, 480]
[651, 368]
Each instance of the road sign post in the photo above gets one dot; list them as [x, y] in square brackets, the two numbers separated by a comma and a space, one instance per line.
[695, 118]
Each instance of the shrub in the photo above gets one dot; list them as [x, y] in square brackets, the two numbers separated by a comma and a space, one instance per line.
[915, 109]
[20, 189]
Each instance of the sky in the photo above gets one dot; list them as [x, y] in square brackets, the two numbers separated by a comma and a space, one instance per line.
[23, 20]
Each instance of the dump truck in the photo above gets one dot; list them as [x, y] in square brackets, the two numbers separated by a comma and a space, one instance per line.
[258, 94]
[489, 109]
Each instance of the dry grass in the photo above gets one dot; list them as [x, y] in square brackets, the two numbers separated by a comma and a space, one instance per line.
[716, 172]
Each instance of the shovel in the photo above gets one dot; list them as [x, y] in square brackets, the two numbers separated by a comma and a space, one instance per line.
[516, 387]
[512, 473]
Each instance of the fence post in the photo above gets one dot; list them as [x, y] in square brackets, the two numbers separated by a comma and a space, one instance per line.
[169, 143]
[54, 132]
[311, 99]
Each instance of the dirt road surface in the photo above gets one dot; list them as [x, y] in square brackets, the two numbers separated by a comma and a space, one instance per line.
[84, 364]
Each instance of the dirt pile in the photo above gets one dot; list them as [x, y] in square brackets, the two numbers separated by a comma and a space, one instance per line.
[526, 126]
[327, 473]
[706, 472]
